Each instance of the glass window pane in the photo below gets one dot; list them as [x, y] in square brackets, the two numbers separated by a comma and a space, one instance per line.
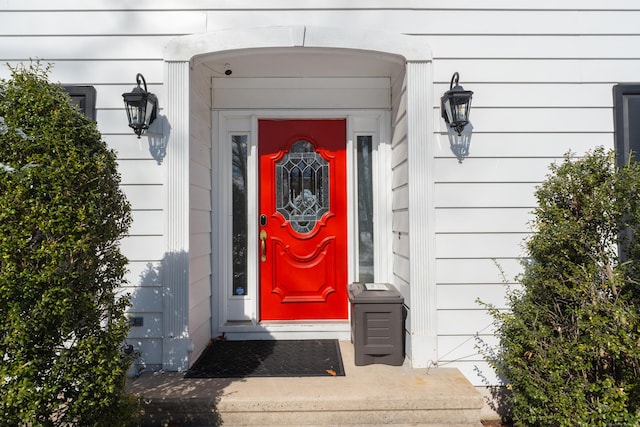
[302, 186]
[365, 208]
[239, 200]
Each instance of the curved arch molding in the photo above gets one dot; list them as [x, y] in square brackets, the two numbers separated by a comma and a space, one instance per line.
[410, 49]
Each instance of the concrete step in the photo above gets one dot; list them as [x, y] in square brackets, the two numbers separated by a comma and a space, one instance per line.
[366, 395]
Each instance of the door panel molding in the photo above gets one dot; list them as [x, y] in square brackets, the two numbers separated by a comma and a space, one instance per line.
[320, 276]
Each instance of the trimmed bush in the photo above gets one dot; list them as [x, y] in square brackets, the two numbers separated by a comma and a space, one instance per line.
[570, 344]
[62, 215]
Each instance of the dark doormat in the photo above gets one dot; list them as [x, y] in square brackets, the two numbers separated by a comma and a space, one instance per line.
[260, 358]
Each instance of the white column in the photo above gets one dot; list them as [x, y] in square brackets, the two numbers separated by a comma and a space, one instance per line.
[176, 261]
[421, 214]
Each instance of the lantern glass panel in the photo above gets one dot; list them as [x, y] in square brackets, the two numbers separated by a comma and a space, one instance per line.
[460, 110]
[136, 115]
[148, 112]
[447, 110]
[135, 105]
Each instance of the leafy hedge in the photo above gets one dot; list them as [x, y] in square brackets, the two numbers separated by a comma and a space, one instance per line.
[570, 345]
[62, 215]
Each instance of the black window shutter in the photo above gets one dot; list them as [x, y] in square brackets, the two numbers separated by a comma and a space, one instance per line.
[626, 115]
[84, 97]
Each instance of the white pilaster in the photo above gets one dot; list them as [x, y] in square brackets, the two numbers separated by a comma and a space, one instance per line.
[176, 260]
[421, 213]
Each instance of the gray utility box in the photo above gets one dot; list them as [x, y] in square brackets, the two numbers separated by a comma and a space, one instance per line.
[377, 323]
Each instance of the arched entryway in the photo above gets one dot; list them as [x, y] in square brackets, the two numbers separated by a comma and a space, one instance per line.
[294, 73]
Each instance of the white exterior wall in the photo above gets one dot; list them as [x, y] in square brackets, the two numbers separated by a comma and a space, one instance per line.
[542, 73]
[400, 199]
[200, 220]
[106, 48]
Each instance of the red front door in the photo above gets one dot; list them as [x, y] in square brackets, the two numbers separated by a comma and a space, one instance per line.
[302, 219]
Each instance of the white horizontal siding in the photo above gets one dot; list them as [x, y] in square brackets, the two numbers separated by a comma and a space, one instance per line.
[83, 47]
[200, 222]
[527, 145]
[144, 196]
[533, 95]
[144, 273]
[200, 303]
[456, 271]
[482, 220]
[112, 22]
[477, 245]
[469, 296]
[146, 299]
[467, 353]
[143, 248]
[127, 146]
[489, 195]
[551, 46]
[150, 349]
[479, 373]
[200, 199]
[459, 322]
[525, 70]
[525, 120]
[96, 72]
[577, 5]
[140, 172]
[400, 253]
[454, 348]
[115, 122]
[541, 72]
[150, 329]
[109, 95]
[147, 222]
[199, 173]
[106, 50]
[200, 203]
[146, 302]
[425, 21]
[508, 170]
[537, 96]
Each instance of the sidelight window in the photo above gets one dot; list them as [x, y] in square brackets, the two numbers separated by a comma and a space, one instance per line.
[364, 161]
[239, 201]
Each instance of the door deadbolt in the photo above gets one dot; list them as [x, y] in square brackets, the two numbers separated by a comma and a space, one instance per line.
[263, 220]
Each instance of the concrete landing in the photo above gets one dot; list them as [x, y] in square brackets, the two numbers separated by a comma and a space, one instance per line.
[366, 395]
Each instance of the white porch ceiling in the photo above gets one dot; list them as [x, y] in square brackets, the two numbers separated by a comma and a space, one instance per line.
[303, 62]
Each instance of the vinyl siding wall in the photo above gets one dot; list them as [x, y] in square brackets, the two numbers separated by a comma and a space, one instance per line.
[400, 200]
[105, 48]
[200, 221]
[542, 73]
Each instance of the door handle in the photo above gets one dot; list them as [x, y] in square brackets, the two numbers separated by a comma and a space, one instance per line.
[263, 245]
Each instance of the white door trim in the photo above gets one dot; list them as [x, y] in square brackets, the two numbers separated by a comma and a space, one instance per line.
[238, 315]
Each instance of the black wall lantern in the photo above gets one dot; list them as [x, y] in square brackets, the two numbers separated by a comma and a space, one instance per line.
[141, 106]
[456, 105]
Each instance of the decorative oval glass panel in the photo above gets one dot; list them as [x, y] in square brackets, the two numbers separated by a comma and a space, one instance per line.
[302, 186]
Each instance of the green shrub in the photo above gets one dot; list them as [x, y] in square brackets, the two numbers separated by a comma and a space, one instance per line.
[570, 343]
[62, 215]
